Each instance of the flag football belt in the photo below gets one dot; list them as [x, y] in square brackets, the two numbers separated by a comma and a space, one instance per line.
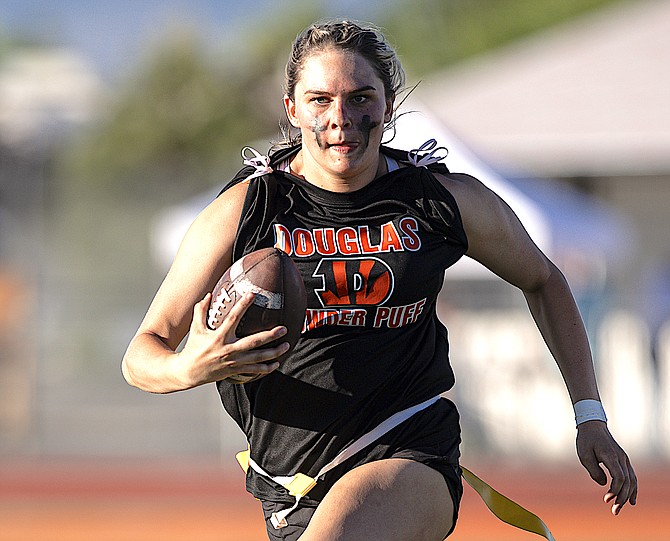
[299, 485]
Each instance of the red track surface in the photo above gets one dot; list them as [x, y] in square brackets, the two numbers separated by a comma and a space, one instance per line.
[67, 501]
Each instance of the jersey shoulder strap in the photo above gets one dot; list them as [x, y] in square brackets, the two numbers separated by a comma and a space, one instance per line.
[418, 158]
[259, 165]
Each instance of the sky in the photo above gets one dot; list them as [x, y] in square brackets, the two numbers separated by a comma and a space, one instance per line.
[111, 33]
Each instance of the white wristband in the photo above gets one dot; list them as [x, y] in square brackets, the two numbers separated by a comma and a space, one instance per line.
[589, 410]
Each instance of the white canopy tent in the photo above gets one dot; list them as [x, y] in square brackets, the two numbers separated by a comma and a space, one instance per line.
[589, 97]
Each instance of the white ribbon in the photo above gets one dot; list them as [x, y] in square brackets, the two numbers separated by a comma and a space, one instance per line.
[431, 147]
[277, 519]
[260, 163]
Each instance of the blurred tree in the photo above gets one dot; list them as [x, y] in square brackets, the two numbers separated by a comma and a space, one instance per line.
[178, 124]
[4, 43]
[170, 125]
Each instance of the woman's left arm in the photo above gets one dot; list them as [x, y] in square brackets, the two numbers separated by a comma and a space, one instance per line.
[498, 240]
[556, 314]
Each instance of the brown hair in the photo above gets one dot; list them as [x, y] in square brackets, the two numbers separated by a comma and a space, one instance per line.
[365, 40]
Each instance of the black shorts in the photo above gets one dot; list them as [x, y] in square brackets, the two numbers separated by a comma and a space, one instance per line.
[431, 437]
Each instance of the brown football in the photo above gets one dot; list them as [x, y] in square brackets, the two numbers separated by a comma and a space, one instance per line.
[280, 298]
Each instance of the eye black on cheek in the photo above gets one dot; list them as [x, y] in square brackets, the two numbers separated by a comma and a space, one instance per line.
[318, 127]
[365, 126]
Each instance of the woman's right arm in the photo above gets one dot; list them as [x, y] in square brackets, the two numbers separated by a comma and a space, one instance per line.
[152, 362]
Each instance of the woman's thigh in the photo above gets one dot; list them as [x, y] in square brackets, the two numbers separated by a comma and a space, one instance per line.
[391, 499]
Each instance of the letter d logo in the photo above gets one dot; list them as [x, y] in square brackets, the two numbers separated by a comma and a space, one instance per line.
[354, 282]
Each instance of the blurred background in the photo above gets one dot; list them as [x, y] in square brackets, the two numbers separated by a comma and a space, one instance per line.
[120, 120]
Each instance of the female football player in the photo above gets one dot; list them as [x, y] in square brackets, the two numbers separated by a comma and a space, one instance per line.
[355, 409]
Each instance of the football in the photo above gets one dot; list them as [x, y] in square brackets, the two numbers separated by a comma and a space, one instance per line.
[280, 298]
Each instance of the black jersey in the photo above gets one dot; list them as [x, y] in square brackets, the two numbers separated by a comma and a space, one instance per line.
[373, 264]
